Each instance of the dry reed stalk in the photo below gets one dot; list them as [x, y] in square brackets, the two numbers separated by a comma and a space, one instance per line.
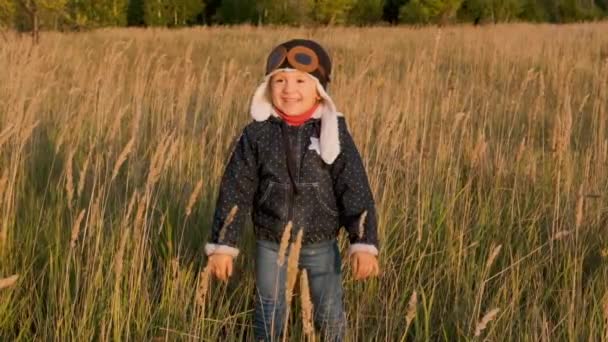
[562, 132]
[83, 173]
[8, 282]
[292, 266]
[458, 118]
[60, 140]
[27, 132]
[284, 243]
[76, 229]
[69, 183]
[116, 123]
[478, 155]
[227, 222]
[139, 215]
[493, 255]
[6, 134]
[307, 307]
[605, 312]
[580, 203]
[411, 309]
[3, 184]
[561, 234]
[122, 157]
[292, 276]
[125, 218]
[202, 287]
[118, 261]
[487, 318]
[174, 268]
[172, 151]
[436, 49]
[361, 230]
[194, 197]
[157, 163]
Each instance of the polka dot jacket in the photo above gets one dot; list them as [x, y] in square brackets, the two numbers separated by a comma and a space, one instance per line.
[275, 175]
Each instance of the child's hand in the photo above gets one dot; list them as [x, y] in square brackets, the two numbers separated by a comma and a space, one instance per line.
[220, 265]
[364, 265]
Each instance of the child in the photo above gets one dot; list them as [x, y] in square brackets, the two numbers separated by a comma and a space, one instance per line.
[296, 162]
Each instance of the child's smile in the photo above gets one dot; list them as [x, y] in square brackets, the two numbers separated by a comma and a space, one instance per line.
[293, 92]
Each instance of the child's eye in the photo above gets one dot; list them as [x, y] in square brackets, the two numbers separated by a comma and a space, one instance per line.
[278, 80]
[300, 80]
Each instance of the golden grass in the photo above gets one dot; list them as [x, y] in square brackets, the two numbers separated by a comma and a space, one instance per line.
[411, 309]
[485, 320]
[194, 197]
[307, 307]
[486, 150]
[9, 281]
[76, 228]
[227, 222]
[293, 268]
[285, 237]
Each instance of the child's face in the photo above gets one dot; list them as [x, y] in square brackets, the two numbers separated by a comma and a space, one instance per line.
[293, 92]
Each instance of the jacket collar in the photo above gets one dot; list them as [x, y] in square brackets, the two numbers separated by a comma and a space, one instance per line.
[329, 140]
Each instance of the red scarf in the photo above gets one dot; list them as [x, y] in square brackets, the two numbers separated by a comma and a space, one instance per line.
[297, 120]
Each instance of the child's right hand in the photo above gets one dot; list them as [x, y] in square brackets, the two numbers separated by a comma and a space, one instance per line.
[220, 265]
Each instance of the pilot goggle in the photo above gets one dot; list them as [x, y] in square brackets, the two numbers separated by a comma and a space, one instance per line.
[300, 57]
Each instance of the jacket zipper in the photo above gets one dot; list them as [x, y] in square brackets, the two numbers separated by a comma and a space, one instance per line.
[294, 189]
[291, 164]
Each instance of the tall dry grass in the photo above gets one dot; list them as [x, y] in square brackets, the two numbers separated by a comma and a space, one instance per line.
[486, 150]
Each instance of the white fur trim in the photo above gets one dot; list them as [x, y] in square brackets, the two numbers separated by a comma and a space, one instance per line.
[362, 247]
[261, 109]
[212, 248]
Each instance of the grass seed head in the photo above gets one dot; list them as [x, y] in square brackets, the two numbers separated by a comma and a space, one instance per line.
[284, 243]
[487, 318]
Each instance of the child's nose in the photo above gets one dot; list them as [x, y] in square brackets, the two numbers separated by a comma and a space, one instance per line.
[289, 86]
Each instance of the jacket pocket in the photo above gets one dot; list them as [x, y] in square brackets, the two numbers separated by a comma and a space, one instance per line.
[266, 193]
[322, 202]
[272, 204]
[313, 200]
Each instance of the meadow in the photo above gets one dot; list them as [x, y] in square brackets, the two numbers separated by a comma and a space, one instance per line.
[486, 148]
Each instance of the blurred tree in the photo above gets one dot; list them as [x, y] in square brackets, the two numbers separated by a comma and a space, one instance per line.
[577, 10]
[429, 11]
[135, 13]
[210, 12]
[171, 12]
[30, 15]
[84, 13]
[329, 12]
[366, 12]
[289, 12]
[237, 11]
[7, 13]
[534, 10]
[493, 10]
[390, 12]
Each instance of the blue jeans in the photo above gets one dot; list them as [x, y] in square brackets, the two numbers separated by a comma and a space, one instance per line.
[322, 262]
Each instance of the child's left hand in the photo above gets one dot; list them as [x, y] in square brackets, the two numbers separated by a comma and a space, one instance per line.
[364, 265]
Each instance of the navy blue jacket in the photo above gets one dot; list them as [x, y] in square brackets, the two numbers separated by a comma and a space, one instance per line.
[275, 175]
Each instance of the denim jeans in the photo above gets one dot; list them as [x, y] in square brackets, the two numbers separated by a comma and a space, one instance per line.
[322, 262]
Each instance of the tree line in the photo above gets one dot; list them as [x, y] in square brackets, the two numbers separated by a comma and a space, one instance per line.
[29, 15]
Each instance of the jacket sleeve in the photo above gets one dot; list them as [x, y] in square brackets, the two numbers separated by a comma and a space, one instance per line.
[355, 199]
[235, 198]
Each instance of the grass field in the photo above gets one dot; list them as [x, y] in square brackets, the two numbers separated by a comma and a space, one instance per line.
[487, 150]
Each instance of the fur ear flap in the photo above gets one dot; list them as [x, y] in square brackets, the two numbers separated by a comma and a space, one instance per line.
[329, 140]
[261, 105]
